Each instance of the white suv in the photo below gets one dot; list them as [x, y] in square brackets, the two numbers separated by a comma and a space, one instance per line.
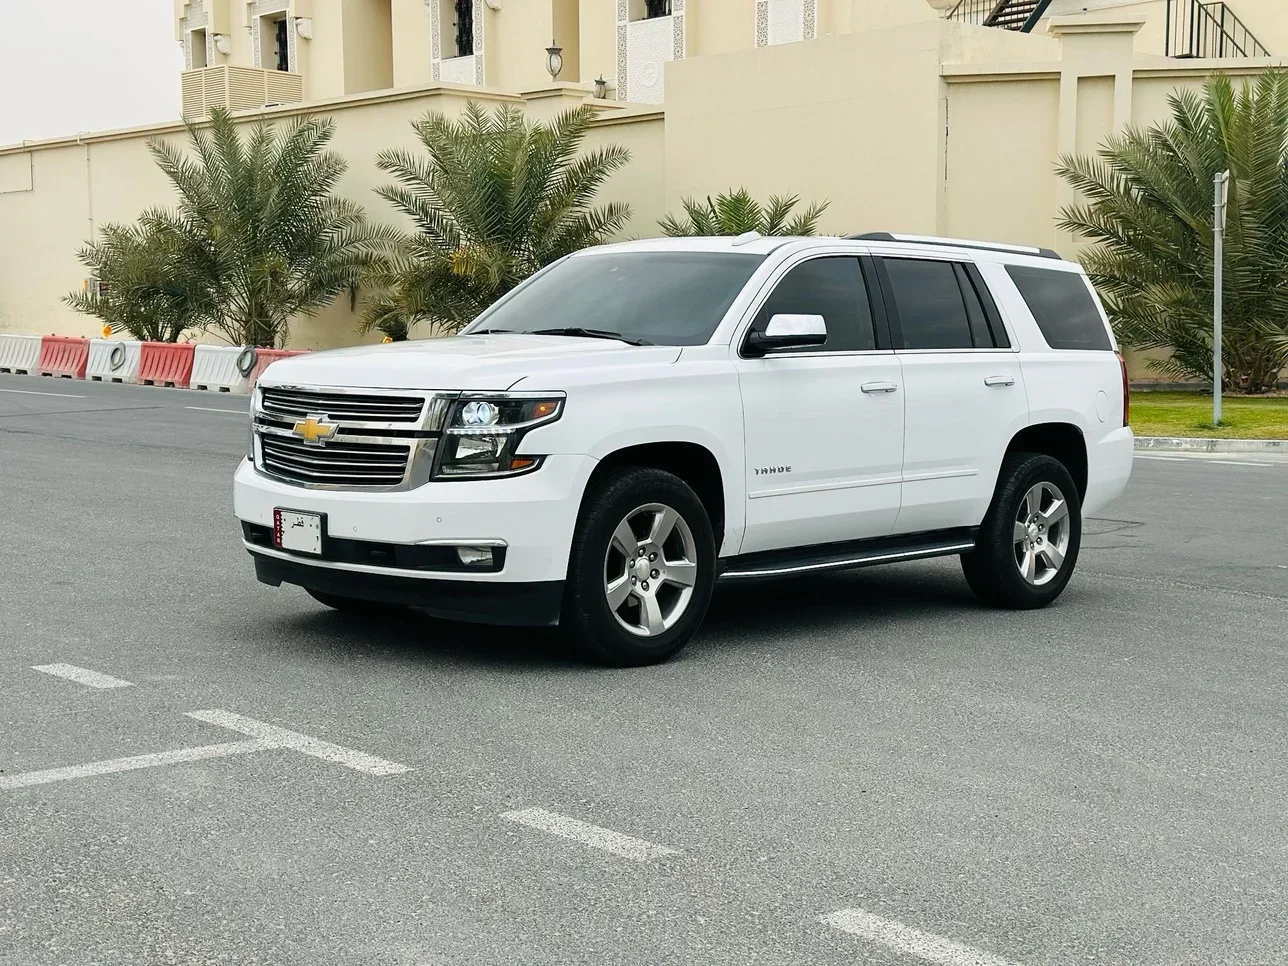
[638, 422]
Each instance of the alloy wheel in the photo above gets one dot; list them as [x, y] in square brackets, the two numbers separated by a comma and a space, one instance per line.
[650, 569]
[1041, 533]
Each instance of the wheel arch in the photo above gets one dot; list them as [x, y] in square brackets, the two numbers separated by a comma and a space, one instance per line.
[1061, 441]
[692, 462]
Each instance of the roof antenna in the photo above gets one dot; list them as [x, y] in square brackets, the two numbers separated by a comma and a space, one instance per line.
[745, 237]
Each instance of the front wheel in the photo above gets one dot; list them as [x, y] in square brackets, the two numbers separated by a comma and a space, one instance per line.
[1028, 543]
[641, 571]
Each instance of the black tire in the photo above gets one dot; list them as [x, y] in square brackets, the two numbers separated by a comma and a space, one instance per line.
[993, 568]
[351, 605]
[587, 621]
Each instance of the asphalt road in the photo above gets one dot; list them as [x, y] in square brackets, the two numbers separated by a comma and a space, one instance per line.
[1100, 782]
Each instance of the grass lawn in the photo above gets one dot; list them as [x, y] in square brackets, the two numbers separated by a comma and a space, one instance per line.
[1190, 414]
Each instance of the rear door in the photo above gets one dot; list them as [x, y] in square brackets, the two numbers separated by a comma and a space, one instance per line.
[823, 425]
[964, 389]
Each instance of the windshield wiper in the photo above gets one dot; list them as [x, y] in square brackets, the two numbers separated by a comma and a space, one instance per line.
[579, 332]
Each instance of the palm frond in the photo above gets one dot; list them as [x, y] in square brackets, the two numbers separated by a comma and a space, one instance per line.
[492, 197]
[736, 212]
[1146, 212]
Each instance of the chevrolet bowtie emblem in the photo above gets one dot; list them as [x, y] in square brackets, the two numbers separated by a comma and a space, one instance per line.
[314, 429]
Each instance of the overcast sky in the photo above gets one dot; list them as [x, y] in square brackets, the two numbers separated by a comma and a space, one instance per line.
[86, 65]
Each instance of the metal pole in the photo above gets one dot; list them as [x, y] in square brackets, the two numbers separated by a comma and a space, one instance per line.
[1220, 186]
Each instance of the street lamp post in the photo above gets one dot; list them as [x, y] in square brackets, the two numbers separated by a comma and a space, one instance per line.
[1220, 192]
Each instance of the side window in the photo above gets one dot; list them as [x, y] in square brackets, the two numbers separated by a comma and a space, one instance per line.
[833, 288]
[1062, 306]
[929, 304]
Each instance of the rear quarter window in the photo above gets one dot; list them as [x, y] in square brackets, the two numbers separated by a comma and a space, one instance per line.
[1063, 307]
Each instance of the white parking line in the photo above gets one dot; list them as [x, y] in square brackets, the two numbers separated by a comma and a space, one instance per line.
[912, 942]
[282, 738]
[207, 409]
[626, 846]
[32, 392]
[177, 757]
[91, 679]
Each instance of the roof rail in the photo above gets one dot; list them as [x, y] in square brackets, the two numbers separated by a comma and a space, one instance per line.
[886, 236]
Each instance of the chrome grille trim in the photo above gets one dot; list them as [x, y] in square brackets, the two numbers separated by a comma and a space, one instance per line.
[293, 404]
[384, 440]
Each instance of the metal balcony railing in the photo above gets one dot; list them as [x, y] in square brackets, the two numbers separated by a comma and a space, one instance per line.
[1018, 15]
[1197, 29]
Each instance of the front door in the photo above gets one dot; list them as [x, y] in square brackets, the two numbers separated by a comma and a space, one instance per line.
[823, 425]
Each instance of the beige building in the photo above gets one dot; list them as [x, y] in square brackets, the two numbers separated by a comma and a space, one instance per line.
[905, 115]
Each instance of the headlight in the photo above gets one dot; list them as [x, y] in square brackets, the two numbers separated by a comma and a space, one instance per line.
[483, 433]
[250, 429]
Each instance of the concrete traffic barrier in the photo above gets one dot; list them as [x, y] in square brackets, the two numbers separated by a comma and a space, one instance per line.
[111, 361]
[266, 357]
[166, 363]
[63, 356]
[19, 353]
[223, 368]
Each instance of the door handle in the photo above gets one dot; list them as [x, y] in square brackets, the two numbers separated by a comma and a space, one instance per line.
[999, 381]
[879, 387]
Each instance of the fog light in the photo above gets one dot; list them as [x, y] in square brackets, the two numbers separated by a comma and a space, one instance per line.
[475, 556]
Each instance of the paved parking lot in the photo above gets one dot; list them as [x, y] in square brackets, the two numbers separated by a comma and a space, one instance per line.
[861, 768]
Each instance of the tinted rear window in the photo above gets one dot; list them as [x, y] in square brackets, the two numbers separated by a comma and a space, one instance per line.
[1063, 307]
[932, 314]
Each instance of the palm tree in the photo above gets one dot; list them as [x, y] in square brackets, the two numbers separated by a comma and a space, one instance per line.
[257, 239]
[494, 199]
[736, 212]
[142, 285]
[1148, 211]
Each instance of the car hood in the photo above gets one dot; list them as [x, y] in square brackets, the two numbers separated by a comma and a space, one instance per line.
[474, 362]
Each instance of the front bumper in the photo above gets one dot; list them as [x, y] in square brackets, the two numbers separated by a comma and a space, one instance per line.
[532, 604]
[532, 517]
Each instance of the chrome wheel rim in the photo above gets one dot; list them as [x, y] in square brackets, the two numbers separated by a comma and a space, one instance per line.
[650, 569]
[1041, 533]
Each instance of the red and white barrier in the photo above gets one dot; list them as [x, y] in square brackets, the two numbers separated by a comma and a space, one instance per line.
[112, 361]
[166, 363]
[19, 353]
[266, 357]
[183, 365]
[63, 356]
[223, 368]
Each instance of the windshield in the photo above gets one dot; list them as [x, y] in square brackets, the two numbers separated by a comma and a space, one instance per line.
[659, 298]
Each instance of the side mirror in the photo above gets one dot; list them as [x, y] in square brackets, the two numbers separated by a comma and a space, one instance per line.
[787, 332]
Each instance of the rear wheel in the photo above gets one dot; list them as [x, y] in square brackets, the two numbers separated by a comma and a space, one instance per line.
[641, 571]
[351, 605]
[1028, 543]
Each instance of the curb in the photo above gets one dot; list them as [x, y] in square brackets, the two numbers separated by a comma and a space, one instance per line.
[1201, 444]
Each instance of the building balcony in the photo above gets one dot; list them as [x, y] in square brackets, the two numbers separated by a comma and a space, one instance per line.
[238, 89]
[458, 70]
[786, 21]
[649, 45]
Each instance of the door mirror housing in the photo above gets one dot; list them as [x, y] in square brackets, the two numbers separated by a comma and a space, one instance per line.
[786, 332]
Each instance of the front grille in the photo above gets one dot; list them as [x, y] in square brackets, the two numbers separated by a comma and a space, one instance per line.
[294, 404]
[337, 463]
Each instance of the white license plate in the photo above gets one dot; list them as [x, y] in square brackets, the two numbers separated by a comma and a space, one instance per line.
[301, 532]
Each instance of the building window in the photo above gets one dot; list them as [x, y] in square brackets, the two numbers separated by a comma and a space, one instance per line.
[281, 53]
[456, 26]
[649, 9]
[198, 40]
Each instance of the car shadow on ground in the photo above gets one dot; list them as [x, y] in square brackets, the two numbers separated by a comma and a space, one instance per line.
[800, 610]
